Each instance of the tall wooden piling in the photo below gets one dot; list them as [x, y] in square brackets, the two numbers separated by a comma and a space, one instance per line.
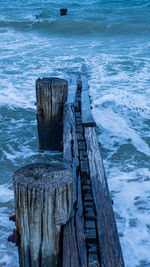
[43, 202]
[51, 94]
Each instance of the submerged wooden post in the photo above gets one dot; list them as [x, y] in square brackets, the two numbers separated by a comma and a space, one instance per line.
[43, 202]
[51, 94]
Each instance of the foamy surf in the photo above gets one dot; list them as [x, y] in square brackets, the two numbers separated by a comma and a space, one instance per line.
[111, 39]
[6, 194]
[117, 126]
[131, 204]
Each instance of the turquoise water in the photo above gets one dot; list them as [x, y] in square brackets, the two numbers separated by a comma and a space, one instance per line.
[110, 40]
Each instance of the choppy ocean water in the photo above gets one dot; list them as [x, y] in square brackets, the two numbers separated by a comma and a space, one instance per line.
[110, 40]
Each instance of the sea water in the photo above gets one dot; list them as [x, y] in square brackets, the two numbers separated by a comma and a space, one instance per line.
[110, 41]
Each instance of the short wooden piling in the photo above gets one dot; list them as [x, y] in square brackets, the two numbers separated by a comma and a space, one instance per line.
[43, 202]
[51, 94]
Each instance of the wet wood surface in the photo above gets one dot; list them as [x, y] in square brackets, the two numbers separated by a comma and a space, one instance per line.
[110, 249]
[64, 214]
[43, 201]
[90, 238]
[51, 94]
[74, 246]
[87, 118]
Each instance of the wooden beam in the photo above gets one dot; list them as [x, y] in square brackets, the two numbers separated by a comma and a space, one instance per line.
[87, 118]
[74, 245]
[110, 249]
[72, 87]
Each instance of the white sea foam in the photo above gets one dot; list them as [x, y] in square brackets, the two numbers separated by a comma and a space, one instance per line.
[135, 102]
[24, 152]
[5, 194]
[118, 69]
[117, 125]
[14, 97]
[131, 200]
[8, 261]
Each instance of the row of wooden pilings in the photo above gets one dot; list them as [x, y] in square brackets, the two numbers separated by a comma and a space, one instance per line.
[56, 211]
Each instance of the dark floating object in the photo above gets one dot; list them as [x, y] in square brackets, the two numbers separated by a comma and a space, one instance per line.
[63, 11]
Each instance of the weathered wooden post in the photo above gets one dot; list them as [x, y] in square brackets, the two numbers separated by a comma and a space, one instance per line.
[43, 202]
[51, 94]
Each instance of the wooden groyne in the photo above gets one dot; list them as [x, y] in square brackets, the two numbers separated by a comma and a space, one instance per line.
[87, 235]
[92, 237]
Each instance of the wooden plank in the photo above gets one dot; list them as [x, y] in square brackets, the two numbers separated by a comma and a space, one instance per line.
[72, 87]
[74, 247]
[110, 249]
[70, 252]
[68, 126]
[69, 233]
[80, 233]
[87, 119]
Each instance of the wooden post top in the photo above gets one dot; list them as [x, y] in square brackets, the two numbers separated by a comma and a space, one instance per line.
[52, 80]
[43, 176]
